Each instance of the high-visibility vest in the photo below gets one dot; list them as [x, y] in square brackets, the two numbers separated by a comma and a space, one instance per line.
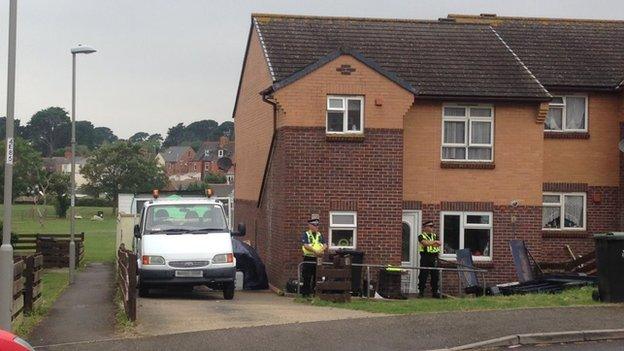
[429, 249]
[314, 241]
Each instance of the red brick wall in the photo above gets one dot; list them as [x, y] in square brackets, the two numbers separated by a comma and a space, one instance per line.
[309, 174]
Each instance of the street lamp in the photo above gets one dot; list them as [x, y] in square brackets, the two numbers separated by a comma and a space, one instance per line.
[72, 243]
[6, 250]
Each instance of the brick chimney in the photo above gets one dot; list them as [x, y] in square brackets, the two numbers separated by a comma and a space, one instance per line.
[223, 141]
[68, 153]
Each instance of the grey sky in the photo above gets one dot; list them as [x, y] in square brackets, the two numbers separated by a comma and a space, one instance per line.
[161, 62]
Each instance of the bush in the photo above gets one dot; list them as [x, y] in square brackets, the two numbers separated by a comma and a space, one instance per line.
[215, 178]
[94, 202]
[61, 205]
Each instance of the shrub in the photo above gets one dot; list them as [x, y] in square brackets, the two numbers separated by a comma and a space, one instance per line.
[94, 202]
[61, 205]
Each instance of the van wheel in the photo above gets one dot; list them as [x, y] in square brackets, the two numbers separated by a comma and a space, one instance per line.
[143, 292]
[228, 291]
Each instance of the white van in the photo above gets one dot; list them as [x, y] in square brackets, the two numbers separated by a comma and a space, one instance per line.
[185, 242]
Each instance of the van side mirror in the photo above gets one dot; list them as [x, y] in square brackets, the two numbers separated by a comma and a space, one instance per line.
[137, 231]
[242, 230]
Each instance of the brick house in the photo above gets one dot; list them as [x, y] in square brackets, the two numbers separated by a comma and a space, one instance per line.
[209, 154]
[494, 128]
[179, 160]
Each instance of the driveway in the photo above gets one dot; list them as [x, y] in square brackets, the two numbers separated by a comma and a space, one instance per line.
[171, 311]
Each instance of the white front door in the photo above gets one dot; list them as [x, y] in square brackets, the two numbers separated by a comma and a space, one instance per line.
[409, 248]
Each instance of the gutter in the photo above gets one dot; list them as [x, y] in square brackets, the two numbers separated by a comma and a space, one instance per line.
[266, 97]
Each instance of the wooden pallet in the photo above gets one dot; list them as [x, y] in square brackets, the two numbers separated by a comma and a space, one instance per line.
[334, 282]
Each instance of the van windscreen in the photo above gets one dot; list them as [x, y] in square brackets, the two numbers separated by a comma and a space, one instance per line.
[185, 218]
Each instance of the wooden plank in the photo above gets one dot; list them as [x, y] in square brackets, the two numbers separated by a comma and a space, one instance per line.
[334, 273]
[18, 286]
[18, 304]
[334, 285]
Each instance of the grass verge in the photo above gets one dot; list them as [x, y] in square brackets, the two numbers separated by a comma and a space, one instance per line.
[123, 324]
[54, 282]
[572, 297]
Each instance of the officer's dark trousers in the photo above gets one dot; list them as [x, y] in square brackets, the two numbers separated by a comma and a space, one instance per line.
[428, 260]
[308, 274]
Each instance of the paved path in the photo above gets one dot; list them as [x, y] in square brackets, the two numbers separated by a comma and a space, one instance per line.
[172, 312]
[410, 332]
[84, 311]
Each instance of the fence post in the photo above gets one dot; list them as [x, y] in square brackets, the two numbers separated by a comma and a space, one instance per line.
[132, 284]
[29, 274]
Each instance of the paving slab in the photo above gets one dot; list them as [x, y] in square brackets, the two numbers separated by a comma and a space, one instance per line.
[84, 312]
[171, 311]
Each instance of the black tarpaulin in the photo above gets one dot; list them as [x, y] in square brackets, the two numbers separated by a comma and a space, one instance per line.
[248, 261]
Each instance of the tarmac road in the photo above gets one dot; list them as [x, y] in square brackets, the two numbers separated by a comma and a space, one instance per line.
[409, 332]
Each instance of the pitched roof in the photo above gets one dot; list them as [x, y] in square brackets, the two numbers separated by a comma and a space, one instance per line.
[212, 147]
[174, 153]
[564, 52]
[437, 59]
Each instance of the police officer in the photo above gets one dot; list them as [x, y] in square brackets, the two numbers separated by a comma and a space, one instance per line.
[429, 250]
[313, 247]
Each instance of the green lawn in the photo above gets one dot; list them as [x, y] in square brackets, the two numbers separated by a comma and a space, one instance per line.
[54, 282]
[99, 235]
[572, 297]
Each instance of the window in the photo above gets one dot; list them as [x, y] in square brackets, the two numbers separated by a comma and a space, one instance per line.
[564, 211]
[467, 133]
[345, 114]
[342, 230]
[567, 114]
[207, 166]
[220, 153]
[467, 230]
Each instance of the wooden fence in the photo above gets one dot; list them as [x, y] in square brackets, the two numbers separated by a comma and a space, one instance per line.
[334, 282]
[127, 280]
[27, 285]
[18, 289]
[53, 247]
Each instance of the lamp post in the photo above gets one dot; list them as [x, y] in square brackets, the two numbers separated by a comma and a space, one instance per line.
[72, 243]
[6, 250]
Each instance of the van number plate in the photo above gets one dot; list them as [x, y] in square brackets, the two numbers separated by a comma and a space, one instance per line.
[189, 274]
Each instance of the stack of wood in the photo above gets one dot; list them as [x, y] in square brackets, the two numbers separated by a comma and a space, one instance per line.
[334, 282]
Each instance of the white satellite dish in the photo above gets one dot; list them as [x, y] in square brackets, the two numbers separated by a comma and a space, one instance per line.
[621, 145]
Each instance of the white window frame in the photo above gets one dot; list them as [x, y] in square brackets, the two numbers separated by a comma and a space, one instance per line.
[467, 119]
[220, 153]
[561, 205]
[463, 225]
[564, 122]
[333, 226]
[345, 108]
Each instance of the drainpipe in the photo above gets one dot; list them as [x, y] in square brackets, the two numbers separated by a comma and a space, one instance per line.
[267, 97]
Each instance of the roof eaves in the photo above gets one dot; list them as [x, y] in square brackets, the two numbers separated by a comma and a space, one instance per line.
[521, 63]
[264, 49]
[332, 56]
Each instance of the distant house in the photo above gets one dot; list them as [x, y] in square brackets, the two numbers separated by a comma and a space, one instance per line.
[63, 165]
[178, 160]
[209, 154]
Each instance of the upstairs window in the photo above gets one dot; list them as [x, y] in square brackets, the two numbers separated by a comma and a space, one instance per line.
[220, 153]
[467, 133]
[345, 114]
[567, 114]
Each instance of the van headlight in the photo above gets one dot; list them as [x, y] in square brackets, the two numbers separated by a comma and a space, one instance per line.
[223, 258]
[153, 260]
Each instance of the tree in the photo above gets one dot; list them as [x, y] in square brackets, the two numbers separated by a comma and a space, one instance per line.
[49, 129]
[85, 134]
[58, 185]
[138, 137]
[122, 167]
[102, 135]
[200, 130]
[18, 129]
[175, 135]
[26, 167]
[226, 128]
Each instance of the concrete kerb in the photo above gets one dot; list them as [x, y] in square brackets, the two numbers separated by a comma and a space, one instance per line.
[543, 338]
